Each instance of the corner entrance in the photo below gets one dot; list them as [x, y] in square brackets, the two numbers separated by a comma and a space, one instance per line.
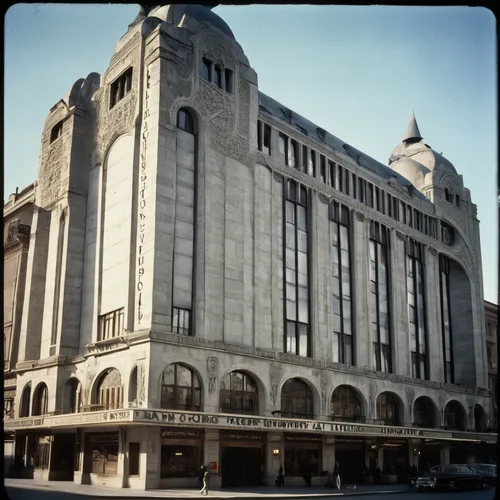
[241, 459]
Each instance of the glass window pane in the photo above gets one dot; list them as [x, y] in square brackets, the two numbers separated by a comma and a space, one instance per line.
[303, 340]
[290, 338]
[290, 236]
[303, 279]
[302, 260]
[291, 293]
[334, 233]
[336, 287]
[290, 276]
[290, 258]
[302, 241]
[348, 349]
[290, 212]
[303, 305]
[335, 348]
[291, 310]
[301, 214]
[337, 323]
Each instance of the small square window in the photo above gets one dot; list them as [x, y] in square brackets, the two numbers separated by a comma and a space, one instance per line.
[121, 87]
[56, 131]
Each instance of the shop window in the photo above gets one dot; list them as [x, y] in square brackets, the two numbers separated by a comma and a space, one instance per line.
[180, 388]
[239, 394]
[110, 390]
[387, 409]
[111, 324]
[120, 87]
[296, 399]
[133, 458]
[346, 405]
[185, 121]
[179, 461]
[105, 458]
[40, 400]
[24, 409]
[298, 457]
[41, 454]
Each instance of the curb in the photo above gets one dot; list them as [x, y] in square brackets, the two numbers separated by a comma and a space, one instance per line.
[215, 497]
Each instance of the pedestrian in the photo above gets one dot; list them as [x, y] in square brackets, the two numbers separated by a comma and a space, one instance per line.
[336, 473]
[205, 481]
[280, 479]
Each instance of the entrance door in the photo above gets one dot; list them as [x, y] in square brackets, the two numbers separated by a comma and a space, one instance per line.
[62, 457]
[241, 466]
[351, 462]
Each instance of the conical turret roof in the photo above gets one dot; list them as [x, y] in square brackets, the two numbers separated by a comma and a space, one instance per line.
[412, 132]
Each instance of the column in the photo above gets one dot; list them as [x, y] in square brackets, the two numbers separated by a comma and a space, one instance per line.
[275, 457]
[445, 454]
[211, 454]
[151, 456]
[328, 453]
[398, 306]
[360, 295]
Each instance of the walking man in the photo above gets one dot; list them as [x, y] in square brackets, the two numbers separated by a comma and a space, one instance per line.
[204, 490]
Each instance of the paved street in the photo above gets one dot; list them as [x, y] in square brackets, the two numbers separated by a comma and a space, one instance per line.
[20, 491]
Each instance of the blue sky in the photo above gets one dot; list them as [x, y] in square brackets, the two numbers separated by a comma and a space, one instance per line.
[356, 71]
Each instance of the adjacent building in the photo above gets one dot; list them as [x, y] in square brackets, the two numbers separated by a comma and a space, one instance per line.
[491, 315]
[213, 278]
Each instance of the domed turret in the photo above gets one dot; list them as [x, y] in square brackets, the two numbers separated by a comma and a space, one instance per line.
[413, 159]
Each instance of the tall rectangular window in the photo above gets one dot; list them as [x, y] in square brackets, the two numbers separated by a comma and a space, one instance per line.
[333, 173]
[340, 178]
[369, 194]
[304, 160]
[361, 189]
[354, 185]
[446, 331]
[312, 163]
[283, 147]
[395, 208]
[228, 80]
[341, 284]
[292, 153]
[416, 308]
[322, 169]
[296, 270]
[379, 287]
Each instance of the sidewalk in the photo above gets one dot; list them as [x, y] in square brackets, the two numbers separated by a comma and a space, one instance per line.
[184, 494]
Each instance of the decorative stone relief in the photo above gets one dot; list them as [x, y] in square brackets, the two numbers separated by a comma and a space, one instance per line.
[410, 397]
[433, 251]
[371, 398]
[244, 107]
[15, 229]
[324, 382]
[360, 216]
[110, 123]
[277, 177]
[323, 198]
[275, 374]
[212, 370]
[52, 163]
[212, 48]
[141, 384]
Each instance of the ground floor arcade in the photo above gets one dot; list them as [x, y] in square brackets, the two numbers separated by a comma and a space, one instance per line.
[149, 449]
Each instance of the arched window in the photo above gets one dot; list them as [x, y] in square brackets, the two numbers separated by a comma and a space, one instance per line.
[296, 399]
[424, 414]
[454, 416]
[132, 386]
[479, 419]
[185, 121]
[387, 409]
[72, 396]
[40, 400]
[346, 405]
[238, 394]
[24, 408]
[109, 391]
[180, 388]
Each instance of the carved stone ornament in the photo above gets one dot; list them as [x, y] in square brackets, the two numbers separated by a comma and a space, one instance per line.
[323, 382]
[277, 177]
[141, 384]
[360, 216]
[276, 374]
[212, 370]
[323, 198]
[433, 251]
[410, 397]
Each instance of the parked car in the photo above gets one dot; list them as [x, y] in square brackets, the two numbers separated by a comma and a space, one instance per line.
[451, 477]
[488, 471]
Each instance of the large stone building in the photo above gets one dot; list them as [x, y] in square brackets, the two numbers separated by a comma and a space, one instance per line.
[213, 278]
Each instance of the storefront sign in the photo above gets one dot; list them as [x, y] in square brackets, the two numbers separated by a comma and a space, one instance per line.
[303, 439]
[180, 434]
[240, 436]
